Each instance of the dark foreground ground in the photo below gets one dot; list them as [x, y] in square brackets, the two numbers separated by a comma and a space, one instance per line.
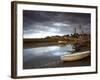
[58, 63]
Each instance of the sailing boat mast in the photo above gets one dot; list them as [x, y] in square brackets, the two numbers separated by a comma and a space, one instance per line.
[81, 31]
[75, 30]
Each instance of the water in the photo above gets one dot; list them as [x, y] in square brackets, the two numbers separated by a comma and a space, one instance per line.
[42, 56]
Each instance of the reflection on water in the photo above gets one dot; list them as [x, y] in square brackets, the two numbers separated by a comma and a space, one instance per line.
[45, 56]
[45, 53]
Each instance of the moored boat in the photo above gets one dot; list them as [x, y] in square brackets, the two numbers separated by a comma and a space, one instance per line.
[62, 42]
[75, 56]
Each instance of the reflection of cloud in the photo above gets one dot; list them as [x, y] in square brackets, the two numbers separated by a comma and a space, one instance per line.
[41, 50]
[41, 24]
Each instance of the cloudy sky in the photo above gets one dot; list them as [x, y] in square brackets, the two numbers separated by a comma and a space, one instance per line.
[40, 24]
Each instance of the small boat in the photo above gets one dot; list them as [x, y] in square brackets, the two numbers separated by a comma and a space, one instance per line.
[75, 56]
[62, 42]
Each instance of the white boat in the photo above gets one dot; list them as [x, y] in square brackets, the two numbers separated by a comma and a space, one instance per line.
[62, 42]
[75, 56]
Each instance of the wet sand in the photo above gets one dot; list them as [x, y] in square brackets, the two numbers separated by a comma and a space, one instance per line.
[48, 57]
[58, 63]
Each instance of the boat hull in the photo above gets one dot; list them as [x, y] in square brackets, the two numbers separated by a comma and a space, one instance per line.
[75, 56]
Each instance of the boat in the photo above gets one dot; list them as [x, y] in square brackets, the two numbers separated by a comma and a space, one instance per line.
[77, 52]
[62, 42]
[75, 56]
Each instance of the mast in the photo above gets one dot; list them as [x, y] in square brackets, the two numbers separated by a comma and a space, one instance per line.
[75, 30]
[81, 31]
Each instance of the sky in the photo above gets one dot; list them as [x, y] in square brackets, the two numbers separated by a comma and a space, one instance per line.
[40, 24]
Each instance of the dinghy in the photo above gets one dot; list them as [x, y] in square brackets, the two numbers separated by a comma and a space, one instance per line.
[75, 56]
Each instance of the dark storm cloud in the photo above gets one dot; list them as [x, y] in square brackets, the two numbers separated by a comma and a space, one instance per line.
[54, 22]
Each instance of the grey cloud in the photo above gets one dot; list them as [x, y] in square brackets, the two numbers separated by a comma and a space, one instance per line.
[58, 22]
